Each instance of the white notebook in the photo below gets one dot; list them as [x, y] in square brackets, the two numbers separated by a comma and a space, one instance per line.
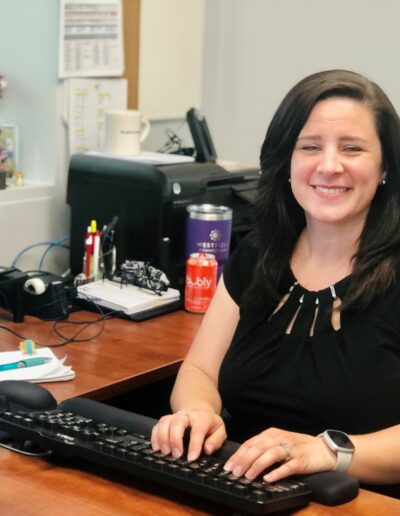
[53, 371]
[126, 298]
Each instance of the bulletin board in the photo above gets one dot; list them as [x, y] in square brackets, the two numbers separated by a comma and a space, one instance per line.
[131, 24]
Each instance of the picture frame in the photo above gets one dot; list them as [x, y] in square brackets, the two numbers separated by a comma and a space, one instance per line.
[8, 148]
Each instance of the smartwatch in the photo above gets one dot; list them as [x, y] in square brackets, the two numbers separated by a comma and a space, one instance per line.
[340, 443]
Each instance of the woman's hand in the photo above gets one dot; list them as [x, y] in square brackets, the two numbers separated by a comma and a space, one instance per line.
[292, 453]
[207, 431]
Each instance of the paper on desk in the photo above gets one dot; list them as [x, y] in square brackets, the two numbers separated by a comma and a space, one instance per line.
[127, 298]
[53, 371]
[151, 158]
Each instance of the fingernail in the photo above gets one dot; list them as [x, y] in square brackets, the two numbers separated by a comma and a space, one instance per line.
[165, 449]
[209, 448]
[237, 471]
[192, 456]
[228, 466]
[251, 474]
[268, 478]
[176, 453]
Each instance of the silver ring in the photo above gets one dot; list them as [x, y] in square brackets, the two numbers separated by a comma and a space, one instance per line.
[181, 413]
[286, 448]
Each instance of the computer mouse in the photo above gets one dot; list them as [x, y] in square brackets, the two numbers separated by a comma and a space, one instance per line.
[21, 395]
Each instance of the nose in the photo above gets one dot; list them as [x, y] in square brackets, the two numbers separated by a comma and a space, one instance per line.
[330, 162]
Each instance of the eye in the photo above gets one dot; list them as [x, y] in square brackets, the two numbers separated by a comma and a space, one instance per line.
[352, 148]
[310, 148]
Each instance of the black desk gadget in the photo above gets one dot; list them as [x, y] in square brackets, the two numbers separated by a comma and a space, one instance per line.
[117, 439]
[41, 294]
[12, 291]
[204, 145]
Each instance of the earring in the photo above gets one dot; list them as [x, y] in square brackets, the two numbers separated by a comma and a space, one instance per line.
[383, 182]
[289, 180]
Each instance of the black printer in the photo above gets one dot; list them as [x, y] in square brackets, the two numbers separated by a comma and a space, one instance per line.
[150, 202]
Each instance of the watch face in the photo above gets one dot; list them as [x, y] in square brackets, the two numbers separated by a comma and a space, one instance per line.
[340, 440]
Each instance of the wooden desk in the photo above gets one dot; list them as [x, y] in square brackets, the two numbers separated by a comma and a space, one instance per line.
[33, 487]
[125, 356]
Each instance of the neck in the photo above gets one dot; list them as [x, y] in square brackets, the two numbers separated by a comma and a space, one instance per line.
[323, 254]
[330, 242]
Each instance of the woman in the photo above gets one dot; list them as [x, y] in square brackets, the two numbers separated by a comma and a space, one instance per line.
[303, 333]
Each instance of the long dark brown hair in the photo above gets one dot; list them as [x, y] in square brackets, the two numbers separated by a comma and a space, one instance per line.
[281, 219]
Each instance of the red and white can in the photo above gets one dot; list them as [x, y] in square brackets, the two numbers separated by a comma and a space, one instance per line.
[201, 281]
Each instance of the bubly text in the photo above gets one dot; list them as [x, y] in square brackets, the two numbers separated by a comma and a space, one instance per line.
[198, 282]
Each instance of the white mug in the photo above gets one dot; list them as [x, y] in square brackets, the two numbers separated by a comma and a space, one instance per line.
[124, 132]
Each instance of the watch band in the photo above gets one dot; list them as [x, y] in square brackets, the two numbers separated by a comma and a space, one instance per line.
[343, 461]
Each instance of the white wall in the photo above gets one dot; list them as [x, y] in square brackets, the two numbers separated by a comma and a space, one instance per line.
[254, 51]
[170, 57]
[32, 101]
[28, 58]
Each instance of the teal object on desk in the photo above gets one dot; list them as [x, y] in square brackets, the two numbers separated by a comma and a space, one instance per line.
[28, 362]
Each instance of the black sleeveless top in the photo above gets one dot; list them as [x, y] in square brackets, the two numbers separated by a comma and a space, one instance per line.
[307, 381]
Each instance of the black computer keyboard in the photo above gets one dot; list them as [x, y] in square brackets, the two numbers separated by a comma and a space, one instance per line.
[116, 438]
[70, 434]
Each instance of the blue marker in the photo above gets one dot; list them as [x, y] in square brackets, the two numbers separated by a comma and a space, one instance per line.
[28, 362]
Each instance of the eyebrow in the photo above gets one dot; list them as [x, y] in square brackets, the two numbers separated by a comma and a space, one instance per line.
[342, 138]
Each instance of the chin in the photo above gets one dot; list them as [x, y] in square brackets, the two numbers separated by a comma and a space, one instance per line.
[328, 218]
[336, 218]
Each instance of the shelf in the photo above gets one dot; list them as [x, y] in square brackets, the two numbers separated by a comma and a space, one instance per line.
[31, 190]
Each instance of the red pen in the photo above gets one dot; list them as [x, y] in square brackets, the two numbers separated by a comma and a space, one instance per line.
[96, 254]
[88, 251]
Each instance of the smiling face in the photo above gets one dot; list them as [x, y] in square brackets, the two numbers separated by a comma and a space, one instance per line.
[336, 165]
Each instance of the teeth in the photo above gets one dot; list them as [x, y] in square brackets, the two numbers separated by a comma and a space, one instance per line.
[325, 190]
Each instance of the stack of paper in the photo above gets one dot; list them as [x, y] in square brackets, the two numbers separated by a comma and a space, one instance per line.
[151, 158]
[125, 298]
[53, 371]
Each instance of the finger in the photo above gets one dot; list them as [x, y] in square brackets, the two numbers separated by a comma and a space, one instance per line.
[215, 440]
[177, 431]
[242, 460]
[267, 459]
[285, 470]
[197, 437]
[163, 431]
[254, 445]
[154, 438]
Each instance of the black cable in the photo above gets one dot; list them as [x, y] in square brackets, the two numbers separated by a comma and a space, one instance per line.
[85, 324]
[67, 340]
[13, 332]
[23, 452]
[175, 144]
